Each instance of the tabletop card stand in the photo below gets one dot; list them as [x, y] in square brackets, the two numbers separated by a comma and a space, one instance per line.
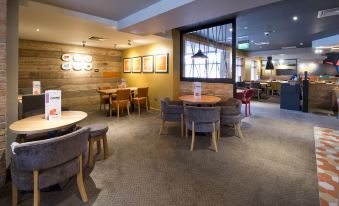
[53, 105]
[197, 90]
[36, 87]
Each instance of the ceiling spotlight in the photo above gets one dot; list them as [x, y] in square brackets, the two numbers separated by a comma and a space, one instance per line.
[301, 44]
[318, 51]
[129, 43]
[231, 29]
[83, 43]
[37, 30]
[295, 18]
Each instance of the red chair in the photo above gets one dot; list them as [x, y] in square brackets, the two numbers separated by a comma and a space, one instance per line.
[245, 98]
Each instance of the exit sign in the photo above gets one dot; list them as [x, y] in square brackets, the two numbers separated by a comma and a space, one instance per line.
[244, 44]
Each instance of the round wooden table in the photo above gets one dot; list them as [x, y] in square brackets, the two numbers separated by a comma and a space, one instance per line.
[38, 124]
[204, 99]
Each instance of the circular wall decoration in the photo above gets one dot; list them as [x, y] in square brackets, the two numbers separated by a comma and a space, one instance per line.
[66, 57]
[78, 58]
[66, 66]
[88, 66]
[88, 59]
[78, 66]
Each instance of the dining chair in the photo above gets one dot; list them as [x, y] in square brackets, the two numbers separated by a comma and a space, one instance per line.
[203, 119]
[275, 87]
[141, 98]
[104, 99]
[97, 133]
[41, 164]
[121, 101]
[171, 111]
[245, 98]
[230, 114]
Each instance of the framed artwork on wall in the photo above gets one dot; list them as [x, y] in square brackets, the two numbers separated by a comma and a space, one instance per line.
[136, 62]
[148, 64]
[161, 63]
[127, 65]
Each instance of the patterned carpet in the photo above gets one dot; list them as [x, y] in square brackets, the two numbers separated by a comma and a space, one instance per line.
[327, 152]
[274, 166]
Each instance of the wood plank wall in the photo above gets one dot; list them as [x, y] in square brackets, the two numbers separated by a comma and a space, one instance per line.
[42, 61]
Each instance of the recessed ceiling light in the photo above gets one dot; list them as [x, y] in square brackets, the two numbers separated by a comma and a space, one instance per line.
[245, 27]
[295, 18]
[301, 44]
[231, 29]
[37, 30]
[252, 41]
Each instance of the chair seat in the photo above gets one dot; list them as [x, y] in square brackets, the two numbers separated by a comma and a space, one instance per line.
[97, 130]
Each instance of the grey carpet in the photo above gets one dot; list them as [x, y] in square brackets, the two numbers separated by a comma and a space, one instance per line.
[275, 165]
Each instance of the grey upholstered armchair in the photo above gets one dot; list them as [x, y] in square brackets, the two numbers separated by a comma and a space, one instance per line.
[40, 164]
[230, 114]
[203, 119]
[171, 111]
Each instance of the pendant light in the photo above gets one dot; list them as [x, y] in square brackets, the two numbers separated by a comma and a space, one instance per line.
[199, 54]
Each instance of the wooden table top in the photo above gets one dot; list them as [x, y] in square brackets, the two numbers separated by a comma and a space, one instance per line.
[204, 99]
[38, 123]
[111, 91]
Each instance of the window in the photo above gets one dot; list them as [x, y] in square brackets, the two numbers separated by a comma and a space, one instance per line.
[216, 44]
[254, 75]
[238, 69]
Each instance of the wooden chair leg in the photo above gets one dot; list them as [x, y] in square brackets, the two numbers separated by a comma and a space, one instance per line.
[238, 129]
[80, 182]
[139, 107]
[182, 125]
[214, 135]
[161, 126]
[193, 137]
[14, 195]
[110, 110]
[90, 153]
[98, 146]
[36, 200]
[118, 111]
[105, 145]
[147, 103]
[128, 106]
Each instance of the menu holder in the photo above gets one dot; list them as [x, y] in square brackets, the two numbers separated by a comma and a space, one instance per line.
[53, 104]
[197, 90]
[36, 87]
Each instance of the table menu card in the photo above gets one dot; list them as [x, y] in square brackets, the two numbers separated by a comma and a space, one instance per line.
[52, 104]
[197, 89]
[36, 87]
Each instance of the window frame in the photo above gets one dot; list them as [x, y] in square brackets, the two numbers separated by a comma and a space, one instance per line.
[211, 80]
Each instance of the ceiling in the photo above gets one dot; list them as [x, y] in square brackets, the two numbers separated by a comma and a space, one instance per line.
[62, 26]
[110, 9]
[283, 31]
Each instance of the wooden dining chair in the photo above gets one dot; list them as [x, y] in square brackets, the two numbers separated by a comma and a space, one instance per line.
[121, 101]
[104, 99]
[141, 98]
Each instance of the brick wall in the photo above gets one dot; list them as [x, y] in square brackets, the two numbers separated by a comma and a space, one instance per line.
[225, 91]
[3, 86]
[41, 61]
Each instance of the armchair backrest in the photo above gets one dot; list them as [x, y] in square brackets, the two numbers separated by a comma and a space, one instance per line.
[143, 92]
[203, 114]
[123, 94]
[170, 106]
[50, 153]
[230, 107]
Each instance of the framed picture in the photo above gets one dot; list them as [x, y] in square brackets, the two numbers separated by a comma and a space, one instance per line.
[136, 68]
[161, 63]
[148, 64]
[127, 65]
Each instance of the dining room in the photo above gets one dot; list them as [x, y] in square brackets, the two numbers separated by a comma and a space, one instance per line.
[147, 103]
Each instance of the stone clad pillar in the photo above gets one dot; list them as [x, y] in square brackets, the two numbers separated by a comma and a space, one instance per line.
[3, 89]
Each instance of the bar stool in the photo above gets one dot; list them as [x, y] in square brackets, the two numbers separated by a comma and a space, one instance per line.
[97, 133]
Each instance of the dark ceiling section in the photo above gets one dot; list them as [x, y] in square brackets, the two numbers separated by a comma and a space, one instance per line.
[277, 20]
